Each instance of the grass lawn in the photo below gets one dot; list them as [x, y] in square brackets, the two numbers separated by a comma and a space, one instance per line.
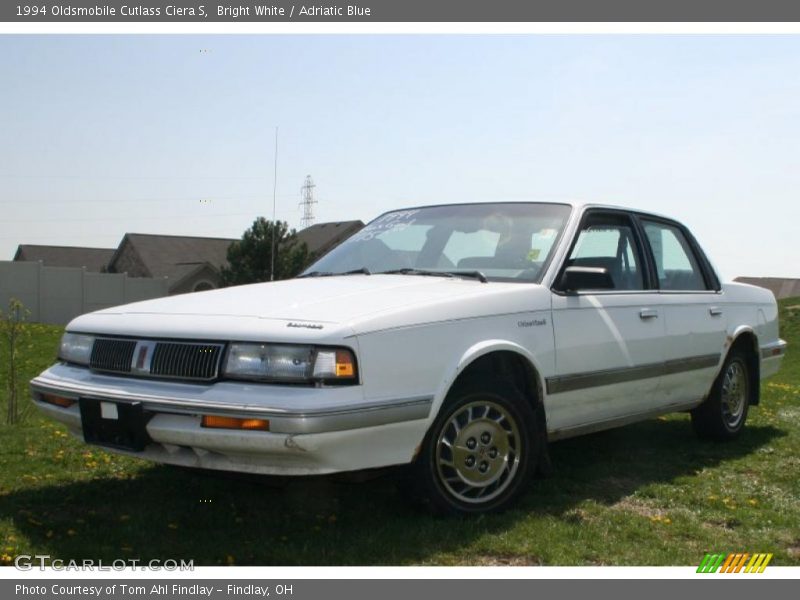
[647, 494]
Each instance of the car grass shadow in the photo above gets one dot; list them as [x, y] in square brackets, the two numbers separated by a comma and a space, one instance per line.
[162, 512]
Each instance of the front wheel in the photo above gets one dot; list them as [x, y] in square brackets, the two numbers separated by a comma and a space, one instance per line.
[479, 452]
[723, 414]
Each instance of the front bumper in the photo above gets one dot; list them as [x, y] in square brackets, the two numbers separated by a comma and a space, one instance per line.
[312, 430]
[771, 357]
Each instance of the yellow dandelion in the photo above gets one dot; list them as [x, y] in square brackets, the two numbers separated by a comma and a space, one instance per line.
[230, 560]
[172, 526]
[71, 532]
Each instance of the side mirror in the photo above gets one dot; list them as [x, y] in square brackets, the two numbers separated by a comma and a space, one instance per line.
[586, 278]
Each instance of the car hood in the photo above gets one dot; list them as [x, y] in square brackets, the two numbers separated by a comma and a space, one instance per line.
[355, 302]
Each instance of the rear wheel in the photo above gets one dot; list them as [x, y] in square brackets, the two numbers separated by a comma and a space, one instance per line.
[722, 416]
[480, 451]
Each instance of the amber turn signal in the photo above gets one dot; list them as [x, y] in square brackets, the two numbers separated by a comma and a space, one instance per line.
[218, 422]
[344, 364]
[57, 400]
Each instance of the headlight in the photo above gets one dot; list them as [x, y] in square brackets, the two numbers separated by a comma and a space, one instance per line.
[76, 348]
[291, 364]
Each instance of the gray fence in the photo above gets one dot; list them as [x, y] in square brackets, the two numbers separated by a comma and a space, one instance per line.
[58, 294]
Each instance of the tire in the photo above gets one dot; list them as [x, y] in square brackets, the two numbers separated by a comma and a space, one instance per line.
[722, 416]
[479, 453]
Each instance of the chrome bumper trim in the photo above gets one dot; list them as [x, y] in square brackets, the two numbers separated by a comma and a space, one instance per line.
[339, 418]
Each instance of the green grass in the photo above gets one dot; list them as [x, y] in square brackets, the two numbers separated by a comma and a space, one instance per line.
[647, 494]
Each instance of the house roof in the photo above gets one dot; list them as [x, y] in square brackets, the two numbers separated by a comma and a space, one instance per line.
[324, 236]
[175, 256]
[94, 259]
[782, 287]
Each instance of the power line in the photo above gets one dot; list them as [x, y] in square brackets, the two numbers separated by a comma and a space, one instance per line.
[133, 177]
[130, 218]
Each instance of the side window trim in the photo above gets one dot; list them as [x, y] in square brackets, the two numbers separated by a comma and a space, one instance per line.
[649, 281]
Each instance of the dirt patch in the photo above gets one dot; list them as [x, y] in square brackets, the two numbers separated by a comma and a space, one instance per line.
[728, 524]
[508, 560]
[576, 516]
[638, 507]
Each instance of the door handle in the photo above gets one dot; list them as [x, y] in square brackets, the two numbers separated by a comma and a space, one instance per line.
[715, 311]
[648, 313]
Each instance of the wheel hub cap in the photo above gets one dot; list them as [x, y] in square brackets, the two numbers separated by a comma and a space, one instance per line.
[477, 453]
[734, 394]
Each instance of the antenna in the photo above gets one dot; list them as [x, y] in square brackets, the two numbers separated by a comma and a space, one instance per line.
[274, 192]
[308, 202]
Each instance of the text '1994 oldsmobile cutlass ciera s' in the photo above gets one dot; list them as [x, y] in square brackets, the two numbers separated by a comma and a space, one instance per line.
[457, 340]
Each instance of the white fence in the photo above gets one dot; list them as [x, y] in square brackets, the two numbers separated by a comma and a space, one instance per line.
[58, 294]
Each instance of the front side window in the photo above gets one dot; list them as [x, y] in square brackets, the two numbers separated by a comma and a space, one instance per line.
[505, 242]
[609, 244]
[676, 265]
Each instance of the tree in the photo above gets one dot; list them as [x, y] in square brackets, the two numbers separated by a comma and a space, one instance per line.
[250, 259]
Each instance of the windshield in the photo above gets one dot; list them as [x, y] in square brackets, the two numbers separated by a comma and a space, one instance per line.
[504, 242]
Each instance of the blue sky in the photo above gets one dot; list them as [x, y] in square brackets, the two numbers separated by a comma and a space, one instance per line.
[100, 135]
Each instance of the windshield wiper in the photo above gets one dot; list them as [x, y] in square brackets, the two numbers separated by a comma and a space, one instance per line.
[362, 270]
[476, 274]
[411, 271]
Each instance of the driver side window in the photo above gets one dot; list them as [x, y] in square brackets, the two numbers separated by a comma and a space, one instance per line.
[610, 244]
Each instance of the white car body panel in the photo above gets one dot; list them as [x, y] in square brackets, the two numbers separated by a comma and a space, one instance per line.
[598, 361]
[597, 334]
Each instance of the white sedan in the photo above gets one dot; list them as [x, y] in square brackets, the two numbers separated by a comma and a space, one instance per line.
[458, 340]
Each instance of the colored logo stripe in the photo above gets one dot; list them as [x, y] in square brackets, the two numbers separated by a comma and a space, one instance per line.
[734, 563]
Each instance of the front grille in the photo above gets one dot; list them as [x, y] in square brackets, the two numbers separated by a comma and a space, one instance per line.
[190, 361]
[112, 355]
[147, 358]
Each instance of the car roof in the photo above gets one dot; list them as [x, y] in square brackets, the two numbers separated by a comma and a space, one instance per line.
[579, 206]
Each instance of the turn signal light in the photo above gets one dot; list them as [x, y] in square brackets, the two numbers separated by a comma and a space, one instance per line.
[344, 364]
[57, 400]
[218, 422]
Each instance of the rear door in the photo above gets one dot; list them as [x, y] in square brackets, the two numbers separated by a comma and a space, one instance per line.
[694, 316]
[609, 343]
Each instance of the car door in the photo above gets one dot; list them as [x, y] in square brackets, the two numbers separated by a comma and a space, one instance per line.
[609, 342]
[694, 318]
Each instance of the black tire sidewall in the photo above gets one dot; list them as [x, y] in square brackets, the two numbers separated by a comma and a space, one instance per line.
[708, 420]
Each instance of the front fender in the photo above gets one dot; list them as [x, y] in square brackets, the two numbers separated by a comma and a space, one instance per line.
[472, 354]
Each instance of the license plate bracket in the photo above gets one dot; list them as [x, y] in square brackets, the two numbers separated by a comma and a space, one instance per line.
[128, 431]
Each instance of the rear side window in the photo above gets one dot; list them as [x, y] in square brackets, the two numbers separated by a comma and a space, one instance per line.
[676, 264]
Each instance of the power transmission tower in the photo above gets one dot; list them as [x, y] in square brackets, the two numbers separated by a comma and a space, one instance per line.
[308, 202]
